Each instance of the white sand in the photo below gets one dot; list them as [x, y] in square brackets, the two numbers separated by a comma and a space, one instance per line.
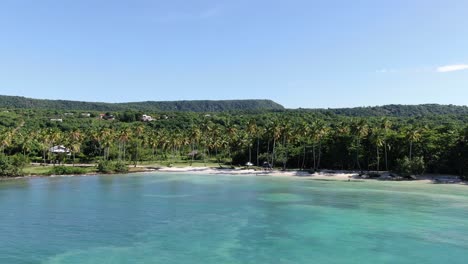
[275, 173]
[322, 175]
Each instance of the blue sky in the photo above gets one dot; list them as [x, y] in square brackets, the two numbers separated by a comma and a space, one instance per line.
[300, 53]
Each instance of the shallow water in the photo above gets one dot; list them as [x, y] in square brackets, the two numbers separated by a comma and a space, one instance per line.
[177, 218]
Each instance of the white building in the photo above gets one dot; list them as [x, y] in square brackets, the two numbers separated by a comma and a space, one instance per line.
[146, 118]
[59, 149]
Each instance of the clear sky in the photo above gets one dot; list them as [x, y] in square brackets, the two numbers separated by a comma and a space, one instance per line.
[300, 53]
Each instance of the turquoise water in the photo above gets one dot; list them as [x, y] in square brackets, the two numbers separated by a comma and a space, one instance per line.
[176, 218]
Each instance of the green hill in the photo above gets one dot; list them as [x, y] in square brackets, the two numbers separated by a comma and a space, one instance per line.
[150, 106]
[396, 110]
[230, 105]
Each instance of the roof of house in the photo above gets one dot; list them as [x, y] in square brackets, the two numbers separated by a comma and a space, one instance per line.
[59, 149]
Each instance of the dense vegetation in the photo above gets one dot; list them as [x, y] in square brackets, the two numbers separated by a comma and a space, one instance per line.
[149, 106]
[398, 110]
[304, 139]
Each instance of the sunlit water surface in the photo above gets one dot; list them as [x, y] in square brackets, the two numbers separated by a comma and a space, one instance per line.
[177, 218]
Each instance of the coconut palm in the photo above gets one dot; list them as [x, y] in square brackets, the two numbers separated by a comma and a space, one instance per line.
[252, 131]
[303, 132]
[377, 138]
[123, 138]
[107, 138]
[275, 133]
[413, 135]
[75, 139]
[359, 130]
[386, 126]
[195, 135]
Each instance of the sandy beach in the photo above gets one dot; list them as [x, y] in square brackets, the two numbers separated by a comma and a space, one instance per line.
[328, 175]
[322, 175]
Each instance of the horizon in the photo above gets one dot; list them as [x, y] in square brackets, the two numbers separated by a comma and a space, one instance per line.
[301, 54]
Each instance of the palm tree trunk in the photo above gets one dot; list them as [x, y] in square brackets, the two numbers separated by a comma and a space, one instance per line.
[124, 150]
[378, 158]
[193, 153]
[313, 156]
[285, 160]
[268, 151]
[357, 153]
[319, 155]
[258, 147]
[410, 150]
[303, 157]
[273, 154]
[386, 159]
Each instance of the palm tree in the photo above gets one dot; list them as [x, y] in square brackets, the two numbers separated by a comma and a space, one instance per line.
[303, 131]
[138, 138]
[207, 129]
[76, 139]
[6, 138]
[252, 131]
[154, 141]
[44, 141]
[386, 126]
[377, 138]
[232, 137]
[195, 135]
[413, 135]
[275, 131]
[359, 129]
[27, 141]
[123, 137]
[107, 137]
[287, 135]
[216, 142]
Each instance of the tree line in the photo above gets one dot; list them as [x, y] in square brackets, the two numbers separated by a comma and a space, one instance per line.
[285, 139]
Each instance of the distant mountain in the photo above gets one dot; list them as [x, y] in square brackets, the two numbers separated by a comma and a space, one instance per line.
[396, 110]
[150, 106]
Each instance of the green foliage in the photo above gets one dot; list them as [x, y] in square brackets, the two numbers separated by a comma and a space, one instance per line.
[407, 167]
[398, 110]
[305, 139]
[120, 166]
[185, 106]
[66, 170]
[12, 166]
[106, 166]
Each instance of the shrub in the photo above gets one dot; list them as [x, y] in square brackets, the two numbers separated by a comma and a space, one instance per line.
[120, 166]
[12, 166]
[63, 170]
[106, 166]
[407, 167]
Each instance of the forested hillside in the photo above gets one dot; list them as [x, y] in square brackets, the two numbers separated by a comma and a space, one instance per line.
[148, 106]
[397, 110]
[424, 110]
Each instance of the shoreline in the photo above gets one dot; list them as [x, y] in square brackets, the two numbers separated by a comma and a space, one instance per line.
[331, 175]
[324, 175]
